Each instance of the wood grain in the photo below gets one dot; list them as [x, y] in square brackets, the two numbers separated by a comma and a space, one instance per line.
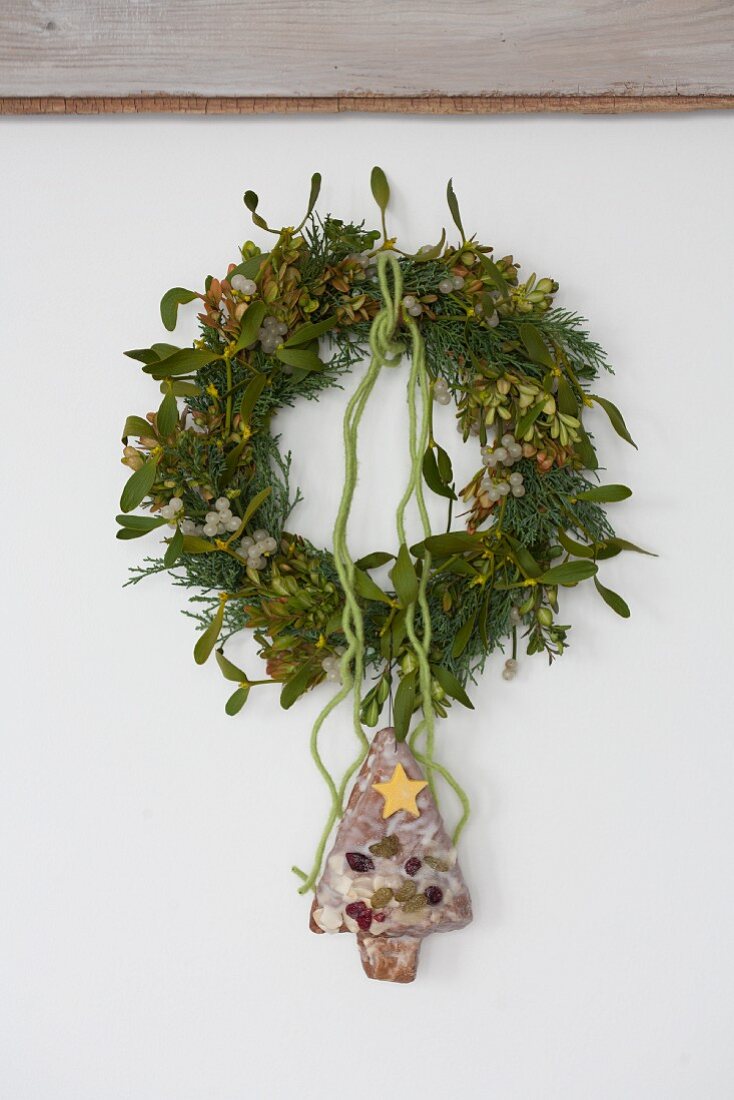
[245, 56]
[424, 105]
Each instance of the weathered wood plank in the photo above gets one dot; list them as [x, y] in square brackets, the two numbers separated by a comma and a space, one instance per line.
[245, 55]
[419, 105]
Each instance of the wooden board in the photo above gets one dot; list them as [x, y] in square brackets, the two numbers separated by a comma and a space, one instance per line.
[247, 56]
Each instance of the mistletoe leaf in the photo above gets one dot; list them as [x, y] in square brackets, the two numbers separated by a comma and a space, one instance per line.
[249, 267]
[432, 476]
[302, 360]
[605, 494]
[143, 524]
[374, 560]
[569, 572]
[495, 275]
[229, 671]
[171, 300]
[463, 635]
[368, 589]
[452, 686]
[431, 253]
[453, 203]
[404, 577]
[535, 345]
[615, 418]
[613, 599]
[143, 355]
[578, 549]
[313, 196]
[193, 544]
[404, 705]
[297, 685]
[380, 188]
[251, 322]
[184, 361]
[137, 427]
[236, 701]
[174, 549]
[138, 486]
[309, 331]
[167, 417]
[250, 396]
[208, 639]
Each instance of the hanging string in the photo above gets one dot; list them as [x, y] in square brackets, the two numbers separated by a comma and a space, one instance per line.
[386, 352]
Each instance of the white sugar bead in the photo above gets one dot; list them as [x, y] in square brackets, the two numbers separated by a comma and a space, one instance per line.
[511, 664]
[493, 493]
[222, 504]
[408, 301]
[458, 282]
[518, 491]
[281, 328]
[515, 450]
[503, 488]
[210, 529]
[508, 674]
[444, 398]
[261, 533]
[500, 454]
[416, 310]
[270, 544]
[333, 676]
[232, 523]
[166, 512]
[212, 517]
[176, 504]
[508, 439]
[445, 286]
[515, 479]
[270, 322]
[245, 543]
[188, 527]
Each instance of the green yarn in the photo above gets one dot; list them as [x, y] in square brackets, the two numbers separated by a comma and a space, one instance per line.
[386, 352]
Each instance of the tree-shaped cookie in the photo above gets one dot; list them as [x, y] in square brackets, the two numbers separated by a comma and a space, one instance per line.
[392, 876]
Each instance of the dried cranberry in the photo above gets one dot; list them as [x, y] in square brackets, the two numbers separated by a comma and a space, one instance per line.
[364, 920]
[434, 894]
[355, 908]
[358, 861]
[412, 866]
[379, 917]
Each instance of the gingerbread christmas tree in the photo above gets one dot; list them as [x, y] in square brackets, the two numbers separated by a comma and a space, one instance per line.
[392, 876]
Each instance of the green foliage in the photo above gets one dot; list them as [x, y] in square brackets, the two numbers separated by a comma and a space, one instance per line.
[512, 361]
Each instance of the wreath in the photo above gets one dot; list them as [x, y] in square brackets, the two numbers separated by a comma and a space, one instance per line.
[287, 323]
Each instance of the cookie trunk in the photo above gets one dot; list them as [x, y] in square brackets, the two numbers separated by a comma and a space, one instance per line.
[389, 959]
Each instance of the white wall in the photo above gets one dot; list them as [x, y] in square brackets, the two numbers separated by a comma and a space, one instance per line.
[153, 946]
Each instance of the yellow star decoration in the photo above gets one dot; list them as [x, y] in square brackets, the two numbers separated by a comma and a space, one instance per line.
[400, 793]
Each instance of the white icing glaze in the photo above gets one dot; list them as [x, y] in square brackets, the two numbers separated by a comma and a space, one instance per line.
[425, 835]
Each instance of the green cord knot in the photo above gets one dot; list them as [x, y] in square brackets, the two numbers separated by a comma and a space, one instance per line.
[382, 334]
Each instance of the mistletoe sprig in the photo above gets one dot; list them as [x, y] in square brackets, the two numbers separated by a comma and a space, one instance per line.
[286, 323]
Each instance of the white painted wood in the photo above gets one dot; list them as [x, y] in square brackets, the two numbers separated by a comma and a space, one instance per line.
[353, 47]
